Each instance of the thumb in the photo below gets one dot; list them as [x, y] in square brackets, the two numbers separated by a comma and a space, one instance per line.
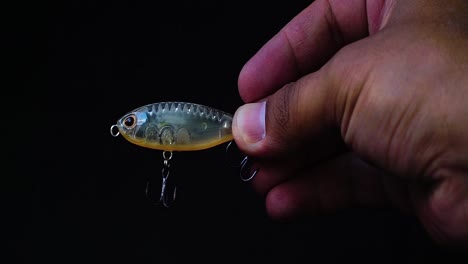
[297, 115]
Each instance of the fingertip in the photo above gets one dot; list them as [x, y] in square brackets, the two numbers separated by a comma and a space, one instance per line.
[268, 70]
[282, 203]
[250, 122]
[248, 80]
[249, 126]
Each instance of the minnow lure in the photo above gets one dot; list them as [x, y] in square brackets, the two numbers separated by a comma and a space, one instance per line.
[177, 126]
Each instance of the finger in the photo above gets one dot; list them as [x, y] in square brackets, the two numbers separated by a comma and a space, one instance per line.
[276, 171]
[342, 182]
[271, 173]
[290, 120]
[443, 209]
[305, 44]
[310, 113]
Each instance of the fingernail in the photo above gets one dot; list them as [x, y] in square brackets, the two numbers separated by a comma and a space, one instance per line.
[250, 119]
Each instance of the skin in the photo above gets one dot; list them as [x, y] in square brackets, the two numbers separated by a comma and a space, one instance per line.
[365, 104]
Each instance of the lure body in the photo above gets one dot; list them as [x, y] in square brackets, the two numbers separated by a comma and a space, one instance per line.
[176, 126]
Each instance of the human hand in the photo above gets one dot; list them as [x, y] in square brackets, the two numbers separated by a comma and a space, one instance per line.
[364, 103]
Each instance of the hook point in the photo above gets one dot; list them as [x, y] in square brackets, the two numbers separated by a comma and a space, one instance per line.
[244, 164]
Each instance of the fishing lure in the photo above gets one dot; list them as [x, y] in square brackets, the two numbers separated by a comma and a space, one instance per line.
[177, 126]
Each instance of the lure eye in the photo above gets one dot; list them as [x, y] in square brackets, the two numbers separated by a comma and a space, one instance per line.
[129, 121]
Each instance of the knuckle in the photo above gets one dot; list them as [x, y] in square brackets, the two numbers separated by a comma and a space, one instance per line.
[281, 107]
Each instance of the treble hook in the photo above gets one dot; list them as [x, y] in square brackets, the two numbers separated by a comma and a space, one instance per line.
[245, 165]
[165, 197]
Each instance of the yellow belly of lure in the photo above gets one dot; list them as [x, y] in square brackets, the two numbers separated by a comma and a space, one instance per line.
[175, 126]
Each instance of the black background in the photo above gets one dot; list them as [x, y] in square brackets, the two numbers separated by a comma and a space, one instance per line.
[77, 193]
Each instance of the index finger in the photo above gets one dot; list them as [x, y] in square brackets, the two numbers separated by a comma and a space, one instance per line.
[305, 44]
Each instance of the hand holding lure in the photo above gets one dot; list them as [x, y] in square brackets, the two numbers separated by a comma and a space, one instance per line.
[177, 126]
